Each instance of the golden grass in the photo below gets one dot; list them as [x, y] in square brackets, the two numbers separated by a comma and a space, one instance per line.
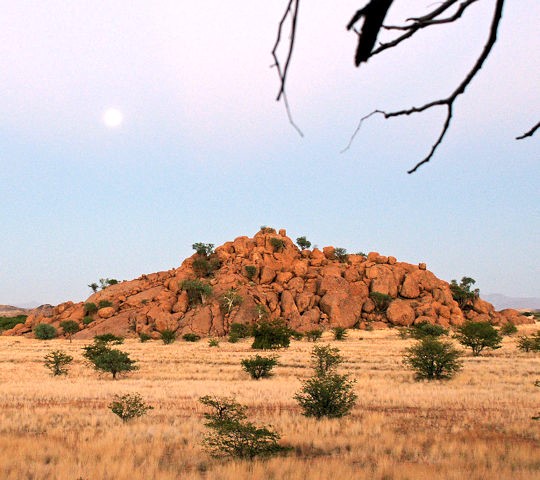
[476, 426]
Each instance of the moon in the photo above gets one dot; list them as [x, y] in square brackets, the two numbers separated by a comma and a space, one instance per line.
[113, 118]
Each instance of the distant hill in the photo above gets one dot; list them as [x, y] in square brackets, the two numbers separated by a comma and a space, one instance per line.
[10, 311]
[500, 301]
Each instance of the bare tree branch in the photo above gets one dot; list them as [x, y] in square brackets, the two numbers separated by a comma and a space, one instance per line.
[529, 133]
[292, 10]
[448, 101]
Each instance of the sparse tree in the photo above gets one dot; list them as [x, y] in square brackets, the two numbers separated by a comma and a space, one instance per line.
[340, 333]
[508, 329]
[259, 367]
[303, 243]
[203, 249]
[479, 336]
[197, 291]
[57, 362]
[529, 343]
[462, 292]
[381, 300]
[109, 360]
[425, 329]
[433, 359]
[327, 393]
[129, 406]
[314, 335]
[232, 435]
[70, 327]
[94, 286]
[230, 299]
[341, 254]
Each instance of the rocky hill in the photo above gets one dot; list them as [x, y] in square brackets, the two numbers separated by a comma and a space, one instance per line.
[269, 275]
[9, 311]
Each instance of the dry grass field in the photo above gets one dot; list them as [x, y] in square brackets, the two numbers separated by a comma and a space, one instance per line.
[476, 426]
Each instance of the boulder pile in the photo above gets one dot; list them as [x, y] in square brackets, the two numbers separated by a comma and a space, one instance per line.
[269, 275]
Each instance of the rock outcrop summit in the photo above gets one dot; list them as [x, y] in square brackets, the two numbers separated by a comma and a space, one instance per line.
[269, 275]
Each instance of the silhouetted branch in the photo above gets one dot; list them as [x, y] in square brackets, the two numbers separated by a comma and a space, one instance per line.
[448, 101]
[529, 133]
[292, 10]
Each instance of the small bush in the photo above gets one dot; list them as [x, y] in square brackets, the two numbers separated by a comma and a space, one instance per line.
[109, 338]
[381, 301]
[104, 304]
[129, 406]
[479, 336]
[57, 362]
[232, 435]
[433, 359]
[7, 323]
[265, 229]
[191, 337]
[87, 320]
[196, 290]
[327, 393]
[45, 331]
[213, 342]
[70, 327]
[240, 330]
[271, 334]
[144, 337]
[278, 244]
[529, 343]
[340, 333]
[90, 308]
[296, 335]
[251, 271]
[313, 335]
[233, 339]
[106, 282]
[259, 367]
[230, 299]
[303, 243]
[261, 311]
[508, 329]
[203, 249]
[425, 329]
[341, 255]
[109, 360]
[168, 336]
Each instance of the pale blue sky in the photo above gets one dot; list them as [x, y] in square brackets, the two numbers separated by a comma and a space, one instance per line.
[206, 154]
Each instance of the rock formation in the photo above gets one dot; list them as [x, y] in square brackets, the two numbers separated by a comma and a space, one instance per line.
[308, 288]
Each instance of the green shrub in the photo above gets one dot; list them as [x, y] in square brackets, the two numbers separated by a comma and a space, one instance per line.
[104, 304]
[251, 271]
[265, 229]
[270, 334]
[45, 331]
[233, 339]
[69, 327]
[296, 335]
[327, 393]
[529, 343]
[433, 359]
[340, 333]
[109, 360]
[259, 367]
[57, 362]
[381, 301]
[106, 282]
[278, 244]
[87, 320]
[204, 267]
[168, 336]
[303, 243]
[230, 299]
[325, 359]
[203, 249]
[197, 291]
[232, 435]
[94, 286]
[425, 329]
[240, 330]
[109, 338]
[463, 294]
[213, 342]
[90, 308]
[261, 311]
[508, 329]
[313, 335]
[191, 337]
[129, 406]
[7, 323]
[479, 336]
[144, 337]
[341, 255]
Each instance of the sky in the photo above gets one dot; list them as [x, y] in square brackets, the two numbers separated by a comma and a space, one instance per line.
[206, 154]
